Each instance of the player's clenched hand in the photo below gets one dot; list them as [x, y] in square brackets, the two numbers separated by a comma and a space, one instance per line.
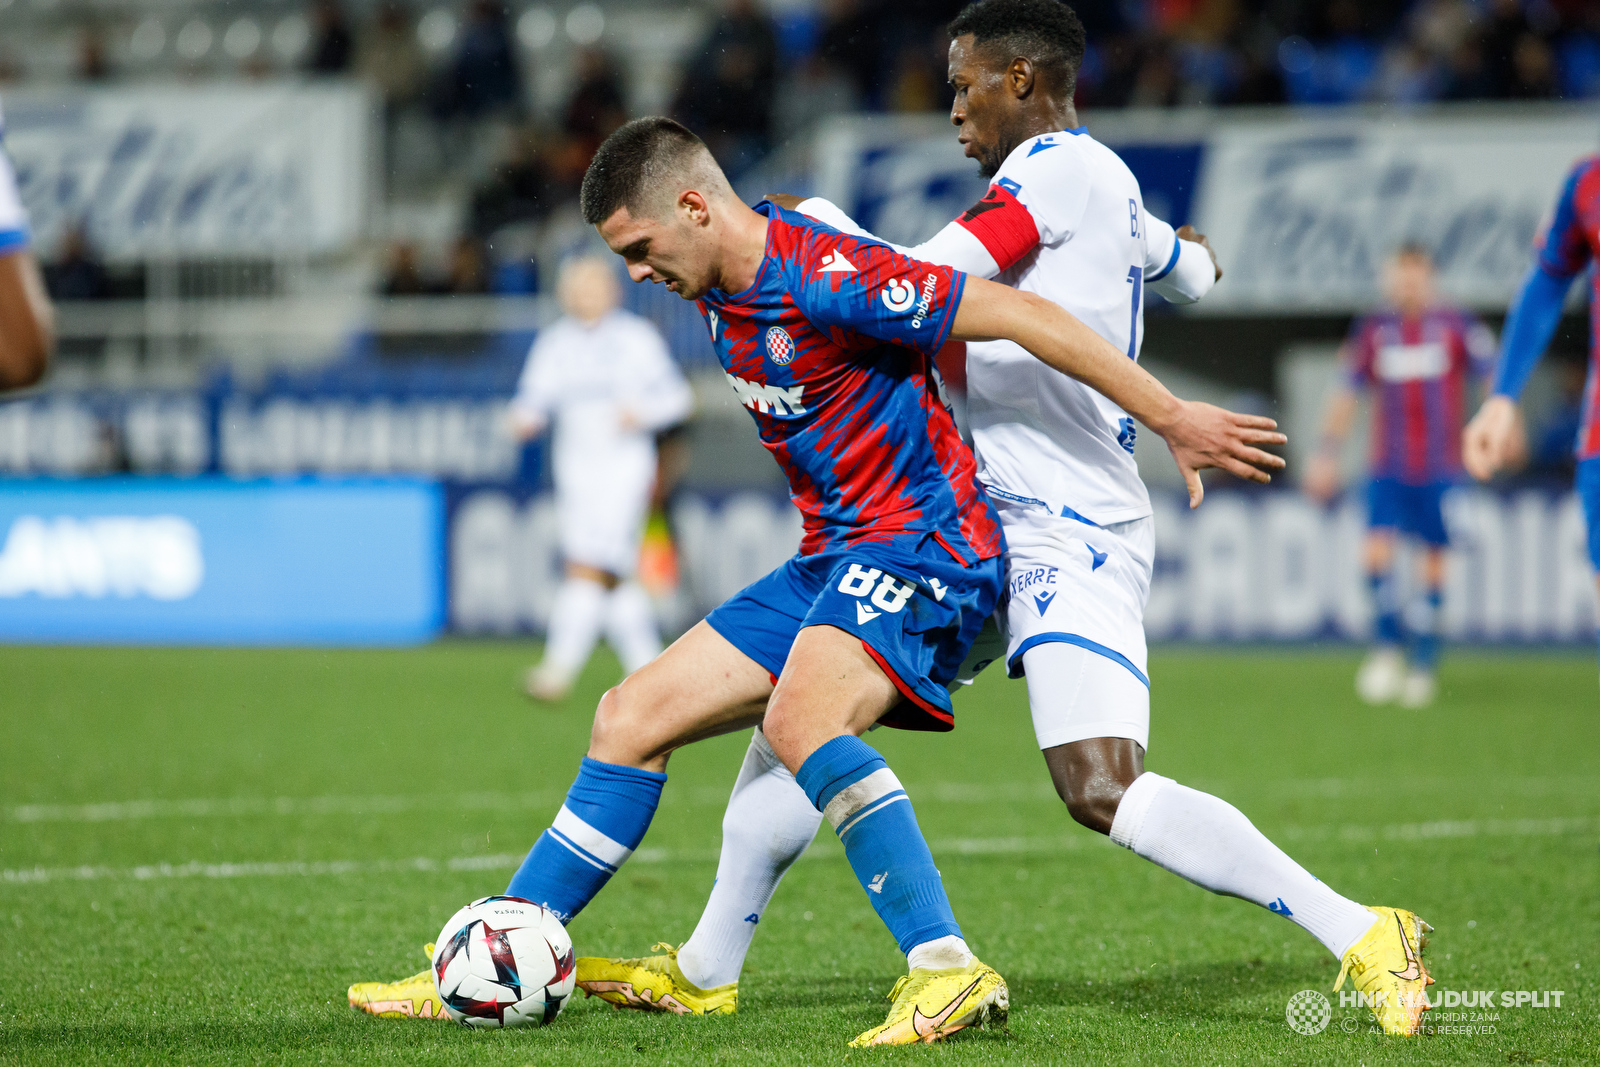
[1489, 442]
[1204, 435]
[1189, 233]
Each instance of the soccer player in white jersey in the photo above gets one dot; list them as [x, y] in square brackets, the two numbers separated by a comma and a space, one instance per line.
[604, 378]
[1064, 219]
[27, 324]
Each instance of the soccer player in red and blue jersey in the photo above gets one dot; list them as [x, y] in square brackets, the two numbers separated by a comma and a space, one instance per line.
[829, 341]
[1417, 360]
[1567, 248]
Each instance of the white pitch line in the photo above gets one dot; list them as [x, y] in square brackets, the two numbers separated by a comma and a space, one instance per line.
[965, 846]
[1031, 789]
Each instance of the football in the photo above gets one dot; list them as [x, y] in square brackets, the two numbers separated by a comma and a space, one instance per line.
[504, 961]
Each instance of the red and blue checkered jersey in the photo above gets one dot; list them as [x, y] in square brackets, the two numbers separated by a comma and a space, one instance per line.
[832, 351]
[1565, 250]
[1418, 370]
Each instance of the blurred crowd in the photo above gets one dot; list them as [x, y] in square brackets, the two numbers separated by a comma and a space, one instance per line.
[755, 72]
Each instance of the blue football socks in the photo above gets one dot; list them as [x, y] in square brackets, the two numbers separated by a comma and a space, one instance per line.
[608, 809]
[1423, 626]
[1386, 629]
[862, 799]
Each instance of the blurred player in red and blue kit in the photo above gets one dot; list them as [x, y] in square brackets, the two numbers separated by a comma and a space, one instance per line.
[1416, 359]
[1493, 440]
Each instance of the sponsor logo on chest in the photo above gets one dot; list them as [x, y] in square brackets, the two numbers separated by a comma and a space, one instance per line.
[1410, 363]
[769, 399]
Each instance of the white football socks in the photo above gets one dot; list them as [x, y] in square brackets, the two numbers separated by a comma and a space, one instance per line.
[940, 953]
[768, 825]
[631, 626]
[574, 626]
[1210, 842]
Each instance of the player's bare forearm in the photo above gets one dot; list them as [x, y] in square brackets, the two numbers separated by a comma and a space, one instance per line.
[1199, 435]
[27, 322]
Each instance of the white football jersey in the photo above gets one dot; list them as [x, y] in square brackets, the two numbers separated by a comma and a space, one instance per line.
[13, 219]
[608, 388]
[1063, 218]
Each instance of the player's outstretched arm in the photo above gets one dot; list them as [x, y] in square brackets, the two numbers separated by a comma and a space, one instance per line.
[1199, 435]
[27, 322]
[1492, 439]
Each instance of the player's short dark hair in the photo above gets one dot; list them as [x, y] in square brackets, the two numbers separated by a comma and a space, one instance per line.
[1413, 250]
[1046, 32]
[632, 163]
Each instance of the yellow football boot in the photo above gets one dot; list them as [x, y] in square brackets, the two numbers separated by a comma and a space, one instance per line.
[930, 1005]
[1386, 967]
[653, 983]
[409, 998]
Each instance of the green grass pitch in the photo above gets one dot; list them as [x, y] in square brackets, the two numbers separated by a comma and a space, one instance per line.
[199, 850]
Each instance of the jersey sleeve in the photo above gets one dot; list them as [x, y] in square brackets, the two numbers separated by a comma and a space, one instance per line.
[1564, 248]
[13, 218]
[659, 395]
[1036, 199]
[1357, 354]
[535, 398]
[954, 246]
[885, 294]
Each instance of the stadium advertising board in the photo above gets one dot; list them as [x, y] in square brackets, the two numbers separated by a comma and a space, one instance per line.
[218, 561]
[1245, 566]
[257, 170]
[1304, 209]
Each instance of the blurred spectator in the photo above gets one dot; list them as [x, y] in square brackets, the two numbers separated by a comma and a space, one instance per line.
[92, 64]
[597, 105]
[518, 188]
[331, 40]
[1533, 69]
[850, 43]
[403, 276]
[728, 88]
[389, 58]
[469, 267]
[483, 76]
[76, 273]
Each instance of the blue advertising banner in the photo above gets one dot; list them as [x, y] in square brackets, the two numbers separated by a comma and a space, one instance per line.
[221, 561]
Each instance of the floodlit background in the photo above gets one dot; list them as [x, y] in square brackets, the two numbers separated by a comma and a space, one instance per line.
[316, 241]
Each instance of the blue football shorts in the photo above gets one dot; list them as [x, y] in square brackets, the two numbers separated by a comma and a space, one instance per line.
[916, 613]
[1588, 486]
[1411, 509]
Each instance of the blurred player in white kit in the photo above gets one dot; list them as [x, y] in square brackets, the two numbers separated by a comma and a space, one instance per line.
[27, 324]
[602, 376]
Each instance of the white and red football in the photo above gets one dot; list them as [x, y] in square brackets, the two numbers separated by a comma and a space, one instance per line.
[504, 961]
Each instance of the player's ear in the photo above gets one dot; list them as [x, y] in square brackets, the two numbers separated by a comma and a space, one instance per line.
[692, 206]
[1019, 77]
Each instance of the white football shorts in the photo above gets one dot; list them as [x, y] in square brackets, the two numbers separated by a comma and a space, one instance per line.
[1072, 622]
[601, 522]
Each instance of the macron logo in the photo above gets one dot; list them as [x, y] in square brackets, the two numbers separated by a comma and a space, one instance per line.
[837, 264]
[876, 885]
[769, 399]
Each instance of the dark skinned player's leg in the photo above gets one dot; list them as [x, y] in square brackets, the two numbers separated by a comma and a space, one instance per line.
[1197, 836]
[1091, 776]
